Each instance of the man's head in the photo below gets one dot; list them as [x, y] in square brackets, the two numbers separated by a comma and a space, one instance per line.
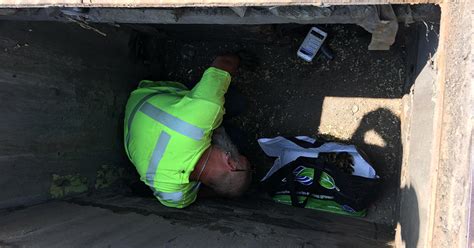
[227, 172]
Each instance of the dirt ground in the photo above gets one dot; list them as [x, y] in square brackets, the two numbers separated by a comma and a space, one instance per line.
[354, 98]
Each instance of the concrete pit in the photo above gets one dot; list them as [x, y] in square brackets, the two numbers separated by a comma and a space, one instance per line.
[64, 92]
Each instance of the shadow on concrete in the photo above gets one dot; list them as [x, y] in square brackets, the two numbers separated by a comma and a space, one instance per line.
[380, 121]
[410, 221]
[386, 159]
[387, 126]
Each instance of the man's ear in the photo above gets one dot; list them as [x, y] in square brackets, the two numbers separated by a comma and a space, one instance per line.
[230, 163]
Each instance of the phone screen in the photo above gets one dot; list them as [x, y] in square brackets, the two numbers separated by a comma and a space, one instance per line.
[317, 34]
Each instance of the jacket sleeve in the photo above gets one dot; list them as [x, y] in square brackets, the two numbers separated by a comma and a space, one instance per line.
[212, 87]
[177, 195]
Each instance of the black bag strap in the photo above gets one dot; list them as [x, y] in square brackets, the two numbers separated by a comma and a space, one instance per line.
[292, 186]
[304, 143]
[355, 191]
[273, 184]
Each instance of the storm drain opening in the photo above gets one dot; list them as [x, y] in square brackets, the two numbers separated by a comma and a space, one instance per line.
[69, 81]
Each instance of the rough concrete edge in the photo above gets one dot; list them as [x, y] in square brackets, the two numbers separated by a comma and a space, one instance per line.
[195, 3]
[438, 115]
[470, 74]
[450, 211]
[470, 225]
[449, 103]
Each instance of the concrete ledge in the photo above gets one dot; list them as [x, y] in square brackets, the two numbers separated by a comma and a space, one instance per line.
[104, 220]
[195, 3]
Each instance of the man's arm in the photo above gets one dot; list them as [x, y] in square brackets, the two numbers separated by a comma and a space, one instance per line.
[215, 80]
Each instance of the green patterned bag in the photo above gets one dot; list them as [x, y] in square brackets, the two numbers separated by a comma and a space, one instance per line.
[336, 190]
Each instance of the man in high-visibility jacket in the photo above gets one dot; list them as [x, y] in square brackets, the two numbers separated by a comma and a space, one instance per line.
[172, 136]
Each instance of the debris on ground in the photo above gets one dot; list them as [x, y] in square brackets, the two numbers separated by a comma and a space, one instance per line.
[108, 175]
[66, 185]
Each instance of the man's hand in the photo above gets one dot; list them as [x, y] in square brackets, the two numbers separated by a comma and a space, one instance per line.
[228, 63]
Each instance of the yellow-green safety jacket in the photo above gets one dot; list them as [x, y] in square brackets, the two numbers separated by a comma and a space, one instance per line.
[168, 128]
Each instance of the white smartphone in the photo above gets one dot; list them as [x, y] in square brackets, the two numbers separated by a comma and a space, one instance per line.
[311, 44]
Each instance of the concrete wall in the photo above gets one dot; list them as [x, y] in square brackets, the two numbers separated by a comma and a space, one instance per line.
[419, 138]
[436, 180]
[62, 94]
[194, 3]
[453, 202]
[117, 221]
